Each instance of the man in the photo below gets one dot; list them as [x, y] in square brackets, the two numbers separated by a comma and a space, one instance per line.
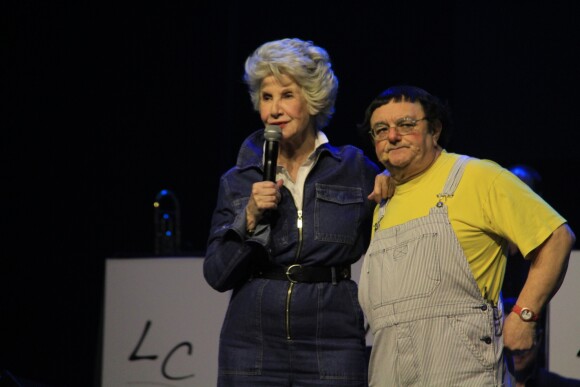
[431, 279]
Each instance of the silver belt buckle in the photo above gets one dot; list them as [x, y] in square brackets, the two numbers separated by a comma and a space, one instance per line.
[288, 272]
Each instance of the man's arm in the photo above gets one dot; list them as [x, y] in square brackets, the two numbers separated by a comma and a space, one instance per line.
[549, 263]
[384, 187]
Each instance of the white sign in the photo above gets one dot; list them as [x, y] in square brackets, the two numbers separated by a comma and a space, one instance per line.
[161, 323]
[564, 324]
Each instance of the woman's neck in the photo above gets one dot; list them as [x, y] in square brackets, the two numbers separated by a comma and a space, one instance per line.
[293, 154]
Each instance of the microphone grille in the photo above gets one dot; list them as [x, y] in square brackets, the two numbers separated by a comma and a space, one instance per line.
[273, 133]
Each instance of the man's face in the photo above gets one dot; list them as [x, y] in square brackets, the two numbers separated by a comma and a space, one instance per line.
[410, 153]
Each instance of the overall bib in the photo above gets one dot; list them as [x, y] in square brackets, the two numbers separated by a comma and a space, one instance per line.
[431, 325]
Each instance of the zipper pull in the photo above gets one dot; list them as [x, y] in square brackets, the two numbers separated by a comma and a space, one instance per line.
[299, 220]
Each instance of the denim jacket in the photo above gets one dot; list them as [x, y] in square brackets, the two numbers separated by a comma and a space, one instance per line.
[336, 216]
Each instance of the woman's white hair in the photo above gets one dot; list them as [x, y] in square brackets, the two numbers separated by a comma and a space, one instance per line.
[308, 65]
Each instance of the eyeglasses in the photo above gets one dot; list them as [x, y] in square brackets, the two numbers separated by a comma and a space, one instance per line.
[403, 126]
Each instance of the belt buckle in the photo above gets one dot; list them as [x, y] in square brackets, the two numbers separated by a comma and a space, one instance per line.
[288, 272]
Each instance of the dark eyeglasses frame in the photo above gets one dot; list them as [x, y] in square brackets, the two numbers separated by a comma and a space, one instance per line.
[402, 127]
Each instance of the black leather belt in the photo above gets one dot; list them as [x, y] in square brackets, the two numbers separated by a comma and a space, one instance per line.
[298, 273]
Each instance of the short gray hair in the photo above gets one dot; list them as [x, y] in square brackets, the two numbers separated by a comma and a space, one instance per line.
[308, 65]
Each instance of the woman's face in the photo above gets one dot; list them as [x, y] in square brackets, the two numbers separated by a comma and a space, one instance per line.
[282, 103]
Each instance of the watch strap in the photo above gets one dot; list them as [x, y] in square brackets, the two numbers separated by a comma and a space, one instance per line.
[518, 310]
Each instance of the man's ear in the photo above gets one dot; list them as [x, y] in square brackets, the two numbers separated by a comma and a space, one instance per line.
[437, 128]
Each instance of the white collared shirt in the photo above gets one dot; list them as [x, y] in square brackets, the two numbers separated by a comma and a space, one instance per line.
[296, 188]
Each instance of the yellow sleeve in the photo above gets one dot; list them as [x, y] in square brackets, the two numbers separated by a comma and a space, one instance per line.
[519, 214]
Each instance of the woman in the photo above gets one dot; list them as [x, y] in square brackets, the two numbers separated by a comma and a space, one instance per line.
[285, 247]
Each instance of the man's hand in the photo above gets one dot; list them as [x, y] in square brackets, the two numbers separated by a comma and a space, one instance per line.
[519, 336]
[384, 187]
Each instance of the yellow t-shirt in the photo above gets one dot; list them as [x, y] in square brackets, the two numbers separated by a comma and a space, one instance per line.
[490, 206]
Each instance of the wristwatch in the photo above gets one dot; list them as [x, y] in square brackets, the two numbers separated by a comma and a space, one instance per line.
[525, 314]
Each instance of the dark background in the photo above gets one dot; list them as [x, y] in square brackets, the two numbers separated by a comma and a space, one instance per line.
[105, 104]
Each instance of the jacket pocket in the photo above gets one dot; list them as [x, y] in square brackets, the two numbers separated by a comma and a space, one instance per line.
[337, 213]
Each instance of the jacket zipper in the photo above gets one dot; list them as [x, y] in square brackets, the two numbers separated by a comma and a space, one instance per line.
[296, 259]
[291, 284]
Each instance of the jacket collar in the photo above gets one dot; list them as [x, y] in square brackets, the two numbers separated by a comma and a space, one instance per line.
[252, 150]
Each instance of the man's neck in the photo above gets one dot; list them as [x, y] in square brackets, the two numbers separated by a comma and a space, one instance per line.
[402, 176]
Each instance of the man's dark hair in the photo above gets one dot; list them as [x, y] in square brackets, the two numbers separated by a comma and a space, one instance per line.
[435, 109]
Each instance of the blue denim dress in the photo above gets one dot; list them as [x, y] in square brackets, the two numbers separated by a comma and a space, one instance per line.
[276, 333]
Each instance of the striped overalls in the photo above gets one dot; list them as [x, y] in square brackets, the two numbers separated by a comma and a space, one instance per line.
[431, 325]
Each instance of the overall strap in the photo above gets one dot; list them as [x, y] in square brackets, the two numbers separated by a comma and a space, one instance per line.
[453, 179]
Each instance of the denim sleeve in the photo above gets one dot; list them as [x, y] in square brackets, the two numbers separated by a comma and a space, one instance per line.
[230, 252]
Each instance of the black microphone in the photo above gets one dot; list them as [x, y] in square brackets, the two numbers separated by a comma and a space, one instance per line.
[272, 134]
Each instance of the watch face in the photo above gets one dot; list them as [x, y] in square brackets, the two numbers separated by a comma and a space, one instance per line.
[526, 314]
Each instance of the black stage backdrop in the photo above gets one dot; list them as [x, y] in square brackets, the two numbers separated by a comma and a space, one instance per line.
[106, 104]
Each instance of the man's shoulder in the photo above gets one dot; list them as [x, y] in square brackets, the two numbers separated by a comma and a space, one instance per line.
[477, 170]
[349, 152]
[484, 165]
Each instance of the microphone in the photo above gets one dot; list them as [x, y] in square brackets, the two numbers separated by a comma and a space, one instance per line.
[272, 134]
